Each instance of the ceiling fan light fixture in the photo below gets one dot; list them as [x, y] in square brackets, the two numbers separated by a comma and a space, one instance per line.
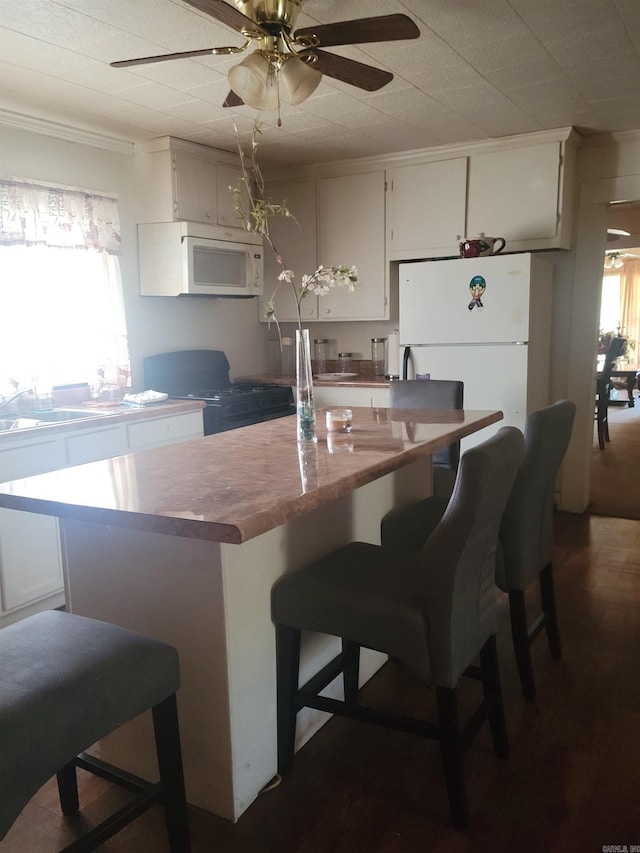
[613, 261]
[299, 78]
[255, 81]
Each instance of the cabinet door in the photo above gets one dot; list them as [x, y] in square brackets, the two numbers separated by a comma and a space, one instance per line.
[158, 432]
[345, 395]
[295, 240]
[29, 558]
[195, 189]
[226, 178]
[426, 208]
[351, 223]
[31, 457]
[515, 193]
[91, 445]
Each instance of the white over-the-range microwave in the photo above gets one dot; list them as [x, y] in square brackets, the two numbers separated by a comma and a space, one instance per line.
[178, 258]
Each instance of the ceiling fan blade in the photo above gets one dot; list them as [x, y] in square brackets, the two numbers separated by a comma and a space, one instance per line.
[145, 60]
[348, 70]
[383, 28]
[233, 100]
[227, 14]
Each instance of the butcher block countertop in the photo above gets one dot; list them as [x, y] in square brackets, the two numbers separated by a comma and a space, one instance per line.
[233, 486]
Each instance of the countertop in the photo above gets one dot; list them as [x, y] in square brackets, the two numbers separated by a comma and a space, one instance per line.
[105, 413]
[353, 381]
[235, 485]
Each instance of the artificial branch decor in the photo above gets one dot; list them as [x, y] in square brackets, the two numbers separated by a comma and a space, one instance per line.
[255, 212]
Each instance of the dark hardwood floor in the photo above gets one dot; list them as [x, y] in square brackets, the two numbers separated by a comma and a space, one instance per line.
[571, 783]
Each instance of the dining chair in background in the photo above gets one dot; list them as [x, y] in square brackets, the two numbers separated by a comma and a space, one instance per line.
[68, 681]
[433, 394]
[603, 389]
[433, 611]
[526, 532]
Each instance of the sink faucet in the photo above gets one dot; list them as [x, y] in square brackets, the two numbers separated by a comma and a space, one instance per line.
[6, 402]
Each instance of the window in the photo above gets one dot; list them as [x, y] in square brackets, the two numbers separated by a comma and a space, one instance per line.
[610, 302]
[60, 289]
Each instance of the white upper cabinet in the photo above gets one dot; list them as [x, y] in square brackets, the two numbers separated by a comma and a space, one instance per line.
[195, 191]
[295, 238]
[226, 178]
[518, 194]
[426, 209]
[179, 180]
[351, 222]
[520, 188]
[335, 221]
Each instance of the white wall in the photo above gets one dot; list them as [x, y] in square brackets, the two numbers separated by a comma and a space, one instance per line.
[156, 324]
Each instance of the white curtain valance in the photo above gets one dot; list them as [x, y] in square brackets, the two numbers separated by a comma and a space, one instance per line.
[37, 214]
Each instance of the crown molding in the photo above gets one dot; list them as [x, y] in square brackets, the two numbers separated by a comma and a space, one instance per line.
[563, 135]
[601, 140]
[69, 133]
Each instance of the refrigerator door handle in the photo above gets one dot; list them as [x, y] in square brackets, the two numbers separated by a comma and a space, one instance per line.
[405, 362]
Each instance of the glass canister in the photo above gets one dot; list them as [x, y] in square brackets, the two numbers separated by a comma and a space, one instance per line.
[377, 355]
[287, 357]
[320, 354]
[344, 362]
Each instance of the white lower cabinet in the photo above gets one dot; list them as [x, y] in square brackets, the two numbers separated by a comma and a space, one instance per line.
[347, 395]
[156, 432]
[30, 558]
[31, 564]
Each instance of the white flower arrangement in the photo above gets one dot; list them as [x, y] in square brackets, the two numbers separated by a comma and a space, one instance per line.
[256, 216]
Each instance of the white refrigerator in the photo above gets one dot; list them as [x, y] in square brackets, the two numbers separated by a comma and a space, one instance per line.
[486, 321]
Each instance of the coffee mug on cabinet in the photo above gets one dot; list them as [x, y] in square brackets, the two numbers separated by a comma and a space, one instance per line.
[481, 247]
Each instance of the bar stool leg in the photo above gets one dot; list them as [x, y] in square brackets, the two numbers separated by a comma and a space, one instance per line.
[68, 788]
[493, 695]
[547, 595]
[167, 736]
[350, 670]
[451, 752]
[521, 646]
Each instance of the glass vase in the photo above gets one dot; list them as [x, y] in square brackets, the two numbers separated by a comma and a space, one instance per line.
[305, 407]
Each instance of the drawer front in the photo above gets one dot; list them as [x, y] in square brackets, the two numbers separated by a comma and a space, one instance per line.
[32, 458]
[159, 431]
[94, 445]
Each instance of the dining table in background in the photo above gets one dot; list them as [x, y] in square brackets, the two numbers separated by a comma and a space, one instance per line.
[631, 375]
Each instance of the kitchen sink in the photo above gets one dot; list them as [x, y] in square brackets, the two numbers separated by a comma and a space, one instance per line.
[59, 415]
[55, 416]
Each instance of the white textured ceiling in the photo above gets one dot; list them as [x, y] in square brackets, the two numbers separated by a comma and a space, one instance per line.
[480, 69]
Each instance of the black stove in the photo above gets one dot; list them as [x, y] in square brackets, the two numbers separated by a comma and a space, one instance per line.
[204, 375]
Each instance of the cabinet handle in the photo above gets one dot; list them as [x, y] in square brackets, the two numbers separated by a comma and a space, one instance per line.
[327, 310]
[208, 215]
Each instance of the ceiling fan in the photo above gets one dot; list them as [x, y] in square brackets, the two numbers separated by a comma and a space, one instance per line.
[614, 259]
[293, 56]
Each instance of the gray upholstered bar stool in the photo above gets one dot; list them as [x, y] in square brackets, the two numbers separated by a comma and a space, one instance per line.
[526, 532]
[68, 681]
[433, 394]
[433, 611]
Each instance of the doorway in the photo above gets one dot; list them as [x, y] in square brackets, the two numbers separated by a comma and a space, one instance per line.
[615, 471]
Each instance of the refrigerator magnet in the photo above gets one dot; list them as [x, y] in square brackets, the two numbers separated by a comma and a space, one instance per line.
[477, 286]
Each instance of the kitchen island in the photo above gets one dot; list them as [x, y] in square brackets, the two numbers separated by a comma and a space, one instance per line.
[185, 542]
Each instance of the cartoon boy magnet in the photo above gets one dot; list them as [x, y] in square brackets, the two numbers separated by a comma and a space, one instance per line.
[477, 286]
